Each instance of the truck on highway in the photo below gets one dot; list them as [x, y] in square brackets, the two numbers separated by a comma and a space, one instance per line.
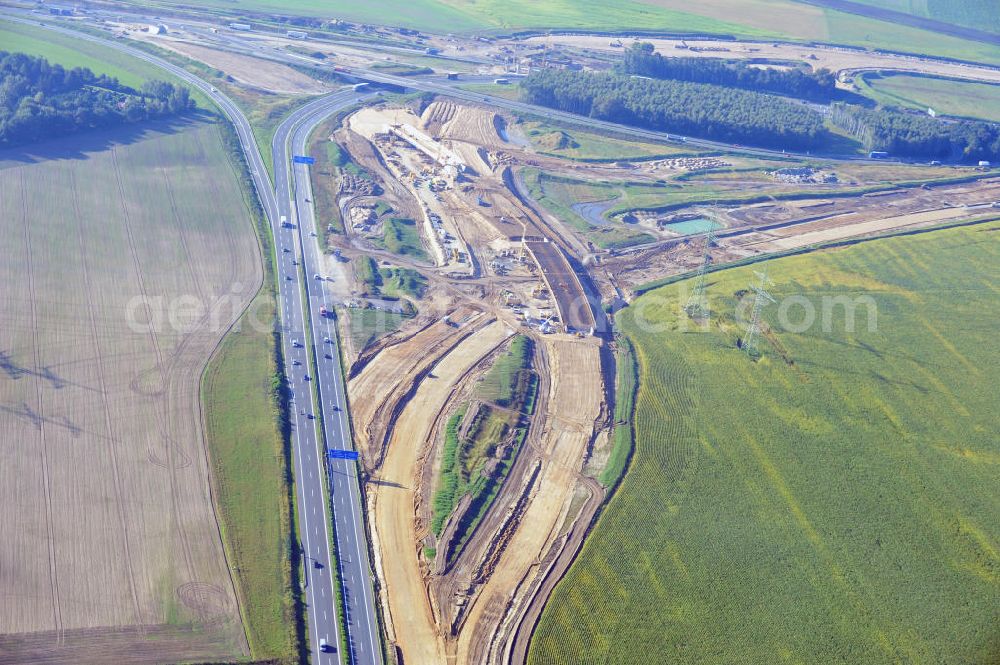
[878, 154]
[284, 222]
[501, 81]
[358, 87]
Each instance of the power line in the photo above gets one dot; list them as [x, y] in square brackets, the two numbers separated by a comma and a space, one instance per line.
[697, 304]
[760, 298]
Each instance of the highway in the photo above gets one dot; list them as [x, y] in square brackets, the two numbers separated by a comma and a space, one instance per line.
[294, 191]
[309, 461]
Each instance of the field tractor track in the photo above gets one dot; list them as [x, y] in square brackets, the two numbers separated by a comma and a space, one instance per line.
[112, 438]
[160, 424]
[53, 569]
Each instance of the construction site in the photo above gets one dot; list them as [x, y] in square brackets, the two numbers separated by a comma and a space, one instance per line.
[483, 419]
[495, 386]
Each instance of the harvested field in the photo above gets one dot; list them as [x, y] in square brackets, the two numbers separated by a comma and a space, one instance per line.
[253, 72]
[114, 255]
[810, 237]
[475, 125]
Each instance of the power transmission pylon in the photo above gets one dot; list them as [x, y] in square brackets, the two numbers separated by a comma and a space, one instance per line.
[697, 304]
[753, 330]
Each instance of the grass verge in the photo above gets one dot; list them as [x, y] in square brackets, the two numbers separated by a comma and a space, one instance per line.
[241, 390]
[623, 434]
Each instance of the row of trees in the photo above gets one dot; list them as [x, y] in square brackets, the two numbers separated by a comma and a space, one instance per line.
[911, 135]
[40, 100]
[641, 59]
[698, 109]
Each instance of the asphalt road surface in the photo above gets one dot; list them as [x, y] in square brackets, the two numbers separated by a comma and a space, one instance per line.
[294, 191]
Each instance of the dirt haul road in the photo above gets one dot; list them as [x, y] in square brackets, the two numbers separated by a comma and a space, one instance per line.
[392, 500]
[380, 386]
[575, 399]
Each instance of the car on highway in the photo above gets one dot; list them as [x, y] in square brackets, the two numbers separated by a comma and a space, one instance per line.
[296, 344]
[285, 250]
[296, 363]
[305, 377]
[288, 278]
[328, 356]
[317, 276]
[327, 340]
[323, 646]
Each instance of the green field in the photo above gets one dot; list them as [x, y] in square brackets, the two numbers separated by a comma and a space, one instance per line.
[622, 436]
[591, 147]
[558, 195]
[69, 52]
[367, 325]
[945, 96]
[249, 468]
[834, 501]
[762, 19]
[978, 14]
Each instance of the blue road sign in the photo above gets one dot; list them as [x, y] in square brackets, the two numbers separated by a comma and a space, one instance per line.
[302, 159]
[334, 453]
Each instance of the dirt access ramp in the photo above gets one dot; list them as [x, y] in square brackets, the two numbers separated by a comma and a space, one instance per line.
[389, 377]
[392, 505]
[575, 401]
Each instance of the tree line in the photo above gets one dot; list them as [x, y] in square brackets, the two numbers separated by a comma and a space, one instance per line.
[699, 109]
[642, 60]
[919, 136]
[40, 100]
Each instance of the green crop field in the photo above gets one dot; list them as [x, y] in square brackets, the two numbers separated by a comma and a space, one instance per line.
[978, 14]
[945, 96]
[834, 501]
[68, 52]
